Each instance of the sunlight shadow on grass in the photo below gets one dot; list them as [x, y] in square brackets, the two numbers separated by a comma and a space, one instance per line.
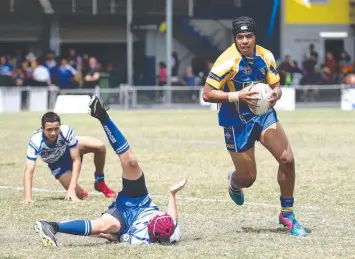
[268, 230]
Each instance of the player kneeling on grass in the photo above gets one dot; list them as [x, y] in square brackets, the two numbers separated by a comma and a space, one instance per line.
[133, 218]
[62, 150]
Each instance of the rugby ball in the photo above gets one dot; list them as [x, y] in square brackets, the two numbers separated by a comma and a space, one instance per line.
[264, 92]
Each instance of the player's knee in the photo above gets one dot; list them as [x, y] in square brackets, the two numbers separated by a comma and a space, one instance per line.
[287, 160]
[131, 162]
[101, 148]
[250, 182]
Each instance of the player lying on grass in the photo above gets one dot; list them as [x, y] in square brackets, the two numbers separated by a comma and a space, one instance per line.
[63, 151]
[133, 218]
[242, 64]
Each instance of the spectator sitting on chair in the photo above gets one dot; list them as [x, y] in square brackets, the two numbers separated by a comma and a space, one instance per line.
[189, 78]
[51, 64]
[5, 72]
[327, 76]
[75, 60]
[287, 68]
[66, 75]
[346, 65]
[92, 75]
[41, 75]
[18, 77]
[330, 63]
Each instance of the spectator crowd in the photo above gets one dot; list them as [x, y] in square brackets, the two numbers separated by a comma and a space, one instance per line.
[312, 71]
[74, 71]
[67, 72]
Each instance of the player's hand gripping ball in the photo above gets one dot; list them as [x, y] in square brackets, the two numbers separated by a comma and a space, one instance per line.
[264, 93]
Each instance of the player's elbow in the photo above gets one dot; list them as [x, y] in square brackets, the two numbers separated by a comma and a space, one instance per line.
[206, 95]
[101, 148]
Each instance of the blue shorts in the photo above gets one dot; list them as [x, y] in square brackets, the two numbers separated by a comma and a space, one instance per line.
[131, 201]
[126, 210]
[241, 138]
[64, 164]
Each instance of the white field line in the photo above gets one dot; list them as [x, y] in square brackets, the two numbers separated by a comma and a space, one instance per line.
[193, 141]
[187, 198]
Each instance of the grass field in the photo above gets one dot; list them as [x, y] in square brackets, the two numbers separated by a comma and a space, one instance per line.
[170, 145]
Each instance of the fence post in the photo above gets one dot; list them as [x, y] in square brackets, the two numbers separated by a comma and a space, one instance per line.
[167, 95]
[126, 97]
[134, 97]
[170, 95]
[53, 93]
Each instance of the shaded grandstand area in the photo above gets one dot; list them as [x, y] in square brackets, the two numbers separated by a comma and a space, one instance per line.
[116, 6]
[90, 7]
[20, 6]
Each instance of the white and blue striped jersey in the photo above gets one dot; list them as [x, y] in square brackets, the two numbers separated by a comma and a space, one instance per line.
[51, 153]
[137, 233]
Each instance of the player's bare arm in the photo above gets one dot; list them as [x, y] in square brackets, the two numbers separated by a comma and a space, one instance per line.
[213, 95]
[108, 236]
[75, 155]
[172, 208]
[28, 179]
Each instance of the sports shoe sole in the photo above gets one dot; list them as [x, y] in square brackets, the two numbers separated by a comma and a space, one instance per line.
[90, 103]
[45, 239]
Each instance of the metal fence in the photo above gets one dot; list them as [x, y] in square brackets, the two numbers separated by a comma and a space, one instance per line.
[163, 97]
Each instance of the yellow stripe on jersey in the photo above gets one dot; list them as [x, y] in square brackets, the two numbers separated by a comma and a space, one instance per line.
[231, 86]
[222, 69]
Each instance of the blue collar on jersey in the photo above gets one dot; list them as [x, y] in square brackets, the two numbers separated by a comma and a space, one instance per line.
[250, 60]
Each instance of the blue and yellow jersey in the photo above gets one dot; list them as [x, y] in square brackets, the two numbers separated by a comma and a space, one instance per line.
[232, 72]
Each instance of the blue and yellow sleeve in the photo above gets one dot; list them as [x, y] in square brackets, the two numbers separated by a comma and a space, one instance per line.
[221, 71]
[272, 76]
